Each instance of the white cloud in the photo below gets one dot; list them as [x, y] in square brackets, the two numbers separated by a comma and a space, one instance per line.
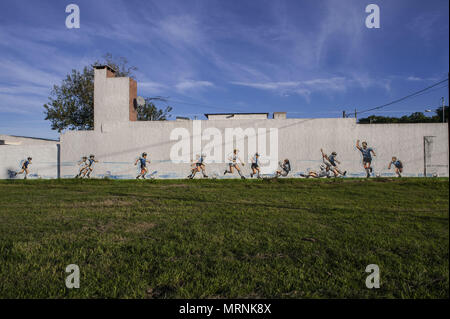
[322, 85]
[191, 84]
[414, 78]
[304, 88]
[150, 87]
[16, 72]
[11, 103]
[268, 85]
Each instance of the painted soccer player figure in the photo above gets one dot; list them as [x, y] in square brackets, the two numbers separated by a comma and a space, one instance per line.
[324, 172]
[90, 165]
[285, 168]
[255, 166]
[143, 164]
[25, 168]
[398, 166]
[331, 162]
[367, 157]
[83, 167]
[198, 166]
[233, 163]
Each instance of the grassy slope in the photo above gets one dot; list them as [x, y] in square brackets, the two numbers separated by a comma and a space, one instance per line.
[224, 239]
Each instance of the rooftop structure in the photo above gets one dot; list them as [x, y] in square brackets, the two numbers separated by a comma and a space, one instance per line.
[237, 116]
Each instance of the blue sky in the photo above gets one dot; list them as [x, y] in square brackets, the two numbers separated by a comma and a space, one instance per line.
[308, 58]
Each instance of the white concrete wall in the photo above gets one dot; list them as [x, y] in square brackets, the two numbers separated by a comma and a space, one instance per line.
[299, 140]
[406, 142]
[44, 163]
[111, 99]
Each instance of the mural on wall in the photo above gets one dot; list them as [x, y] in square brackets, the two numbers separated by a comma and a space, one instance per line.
[142, 160]
[83, 163]
[331, 163]
[198, 166]
[367, 153]
[25, 166]
[255, 166]
[398, 166]
[233, 163]
[328, 167]
[285, 168]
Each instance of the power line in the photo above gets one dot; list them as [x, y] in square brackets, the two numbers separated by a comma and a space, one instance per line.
[415, 94]
[430, 91]
[401, 99]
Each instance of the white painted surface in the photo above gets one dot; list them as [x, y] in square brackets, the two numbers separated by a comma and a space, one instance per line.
[299, 140]
[44, 163]
[111, 99]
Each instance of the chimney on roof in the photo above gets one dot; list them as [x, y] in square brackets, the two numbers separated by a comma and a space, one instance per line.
[110, 72]
[114, 98]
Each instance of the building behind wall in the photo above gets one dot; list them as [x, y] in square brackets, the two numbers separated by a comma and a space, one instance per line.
[118, 139]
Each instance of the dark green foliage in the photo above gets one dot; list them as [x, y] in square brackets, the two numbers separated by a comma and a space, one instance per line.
[149, 111]
[416, 117]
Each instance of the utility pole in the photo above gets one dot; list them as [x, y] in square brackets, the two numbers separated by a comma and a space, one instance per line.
[355, 115]
[443, 110]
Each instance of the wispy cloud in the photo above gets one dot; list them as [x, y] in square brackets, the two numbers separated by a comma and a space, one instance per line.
[24, 88]
[304, 88]
[12, 103]
[191, 85]
[424, 25]
[17, 72]
[414, 78]
[149, 87]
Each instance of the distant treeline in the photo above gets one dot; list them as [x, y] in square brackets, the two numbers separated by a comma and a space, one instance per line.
[416, 117]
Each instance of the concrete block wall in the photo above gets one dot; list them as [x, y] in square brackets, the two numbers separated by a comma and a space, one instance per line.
[44, 163]
[113, 98]
[299, 140]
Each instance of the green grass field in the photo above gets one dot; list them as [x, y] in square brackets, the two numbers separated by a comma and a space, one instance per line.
[225, 238]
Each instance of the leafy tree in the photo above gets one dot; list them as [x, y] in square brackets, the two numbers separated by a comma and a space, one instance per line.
[149, 112]
[71, 104]
[439, 113]
[416, 117]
